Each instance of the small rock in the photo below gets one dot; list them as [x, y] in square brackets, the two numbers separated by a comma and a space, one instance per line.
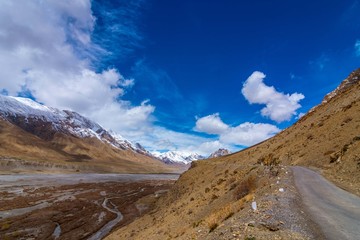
[251, 224]
[272, 226]
[281, 190]
[253, 206]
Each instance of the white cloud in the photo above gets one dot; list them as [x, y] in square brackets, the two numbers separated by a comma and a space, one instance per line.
[247, 134]
[211, 124]
[156, 138]
[206, 148]
[357, 48]
[46, 49]
[279, 106]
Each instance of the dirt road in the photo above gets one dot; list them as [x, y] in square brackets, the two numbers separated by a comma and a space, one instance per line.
[336, 211]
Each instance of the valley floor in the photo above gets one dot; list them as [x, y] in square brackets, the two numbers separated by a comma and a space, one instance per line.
[75, 206]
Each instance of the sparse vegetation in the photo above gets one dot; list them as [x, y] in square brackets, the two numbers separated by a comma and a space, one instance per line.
[269, 160]
[250, 238]
[310, 142]
[216, 218]
[220, 181]
[5, 226]
[245, 187]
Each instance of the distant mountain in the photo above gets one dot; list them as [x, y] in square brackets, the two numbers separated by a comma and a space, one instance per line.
[220, 152]
[68, 136]
[177, 157]
[45, 122]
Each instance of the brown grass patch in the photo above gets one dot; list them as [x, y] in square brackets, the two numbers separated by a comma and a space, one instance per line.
[245, 187]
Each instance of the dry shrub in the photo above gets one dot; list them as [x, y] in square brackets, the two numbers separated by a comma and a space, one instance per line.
[214, 197]
[214, 219]
[328, 152]
[230, 181]
[269, 160]
[245, 187]
[220, 181]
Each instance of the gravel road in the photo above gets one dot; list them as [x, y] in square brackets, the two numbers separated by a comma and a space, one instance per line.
[336, 211]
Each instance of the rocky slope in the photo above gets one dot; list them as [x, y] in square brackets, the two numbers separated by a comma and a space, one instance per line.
[213, 199]
[46, 137]
[219, 153]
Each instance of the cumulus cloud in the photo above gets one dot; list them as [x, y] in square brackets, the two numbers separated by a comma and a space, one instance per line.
[46, 50]
[357, 48]
[208, 147]
[245, 134]
[157, 138]
[211, 124]
[279, 106]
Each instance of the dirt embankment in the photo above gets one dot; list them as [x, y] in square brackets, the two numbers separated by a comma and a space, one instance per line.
[222, 209]
[207, 197]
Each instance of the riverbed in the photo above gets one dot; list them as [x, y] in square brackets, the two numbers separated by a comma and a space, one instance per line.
[75, 206]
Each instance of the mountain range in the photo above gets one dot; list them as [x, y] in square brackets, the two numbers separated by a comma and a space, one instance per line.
[61, 139]
[178, 157]
[67, 137]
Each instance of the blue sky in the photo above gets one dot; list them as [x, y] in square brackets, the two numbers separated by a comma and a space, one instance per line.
[180, 75]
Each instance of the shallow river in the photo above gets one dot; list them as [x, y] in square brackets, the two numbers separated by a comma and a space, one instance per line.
[73, 206]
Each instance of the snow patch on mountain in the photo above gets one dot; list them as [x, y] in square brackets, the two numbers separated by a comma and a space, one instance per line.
[17, 109]
[177, 157]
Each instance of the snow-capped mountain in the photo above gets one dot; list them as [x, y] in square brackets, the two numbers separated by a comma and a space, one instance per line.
[177, 157]
[45, 122]
[220, 152]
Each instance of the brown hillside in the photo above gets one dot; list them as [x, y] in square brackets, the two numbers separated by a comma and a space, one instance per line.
[22, 151]
[212, 199]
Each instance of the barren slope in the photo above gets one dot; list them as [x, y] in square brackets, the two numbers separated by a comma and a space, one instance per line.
[21, 151]
[212, 200]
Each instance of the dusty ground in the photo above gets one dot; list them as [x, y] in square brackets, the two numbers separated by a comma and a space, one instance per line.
[212, 199]
[279, 213]
[72, 211]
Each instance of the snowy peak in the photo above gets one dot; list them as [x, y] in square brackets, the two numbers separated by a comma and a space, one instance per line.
[17, 106]
[177, 157]
[220, 152]
[45, 122]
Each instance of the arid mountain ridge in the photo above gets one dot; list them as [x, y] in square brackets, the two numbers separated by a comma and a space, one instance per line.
[212, 200]
[39, 136]
[52, 125]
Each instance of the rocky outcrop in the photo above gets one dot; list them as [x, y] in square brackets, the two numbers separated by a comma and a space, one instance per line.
[219, 153]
